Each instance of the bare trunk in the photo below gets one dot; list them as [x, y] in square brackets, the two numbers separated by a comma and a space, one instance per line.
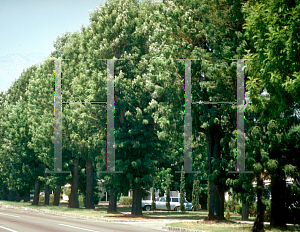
[245, 210]
[27, 194]
[112, 207]
[17, 199]
[278, 210]
[11, 195]
[57, 195]
[4, 192]
[47, 191]
[216, 203]
[73, 201]
[47, 194]
[137, 202]
[259, 220]
[89, 200]
[36, 197]
[216, 192]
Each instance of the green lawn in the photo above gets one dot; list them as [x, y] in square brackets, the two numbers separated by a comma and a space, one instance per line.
[101, 211]
[226, 226]
[186, 215]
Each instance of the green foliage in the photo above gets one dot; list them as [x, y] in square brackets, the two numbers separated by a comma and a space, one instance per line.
[125, 200]
[149, 97]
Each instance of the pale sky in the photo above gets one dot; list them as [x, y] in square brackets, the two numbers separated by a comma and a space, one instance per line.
[29, 28]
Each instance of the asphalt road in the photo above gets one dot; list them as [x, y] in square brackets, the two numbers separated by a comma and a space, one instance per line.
[15, 220]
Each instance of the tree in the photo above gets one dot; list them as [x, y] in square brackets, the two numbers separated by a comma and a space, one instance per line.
[182, 190]
[135, 133]
[73, 200]
[153, 205]
[199, 30]
[196, 192]
[36, 196]
[271, 29]
[14, 152]
[57, 195]
[112, 207]
[168, 199]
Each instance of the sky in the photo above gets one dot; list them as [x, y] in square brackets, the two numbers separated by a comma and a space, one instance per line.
[29, 28]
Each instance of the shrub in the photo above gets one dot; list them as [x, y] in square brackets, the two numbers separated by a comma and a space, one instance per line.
[96, 198]
[252, 209]
[68, 192]
[228, 205]
[42, 198]
[238, 209]
[267, 214]
[104, 198]
[51, 198]
[195, 193]
[81, 200]
[125, 200]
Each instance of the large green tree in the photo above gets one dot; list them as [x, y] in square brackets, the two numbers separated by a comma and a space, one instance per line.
[272, 28]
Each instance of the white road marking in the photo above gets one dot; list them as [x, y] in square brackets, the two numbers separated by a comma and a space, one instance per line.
[126, 222]
[9, 215]
[8, 229]
[78, 228]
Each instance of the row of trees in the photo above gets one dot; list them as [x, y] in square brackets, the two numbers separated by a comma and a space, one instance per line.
[149, 104]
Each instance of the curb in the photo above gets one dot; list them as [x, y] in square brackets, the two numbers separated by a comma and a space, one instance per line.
[177, 229]
[69, 214]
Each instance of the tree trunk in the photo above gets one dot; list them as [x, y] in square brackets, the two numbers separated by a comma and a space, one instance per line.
[278, 210]
[259, 220]
[245, 210]
[216, 203]
[73, 201]
[137, 202]
[4, 192]
[89, 200]
[47, 190]
[11, 195]
[27, 194]
[57, 195]
[216, 192]
[112, 207]
[36, 197]
[208, 196]
[17, 199]
[47, 194]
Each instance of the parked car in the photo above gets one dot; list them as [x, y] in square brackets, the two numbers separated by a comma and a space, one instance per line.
[160, 204]
[41, 193]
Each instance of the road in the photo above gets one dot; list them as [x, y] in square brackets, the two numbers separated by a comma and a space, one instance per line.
[16, 220]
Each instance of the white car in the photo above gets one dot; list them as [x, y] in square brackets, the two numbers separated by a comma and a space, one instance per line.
[160, 203]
